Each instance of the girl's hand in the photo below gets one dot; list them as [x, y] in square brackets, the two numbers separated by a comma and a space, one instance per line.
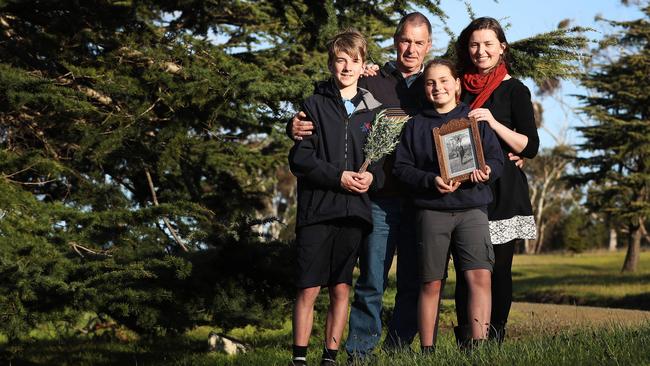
[483, 114]
[444, 187]
[479, 176]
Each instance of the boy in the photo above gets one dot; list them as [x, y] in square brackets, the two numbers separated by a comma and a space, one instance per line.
[333, 205]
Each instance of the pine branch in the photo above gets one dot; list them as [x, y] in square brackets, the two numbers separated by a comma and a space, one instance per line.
[383, 137]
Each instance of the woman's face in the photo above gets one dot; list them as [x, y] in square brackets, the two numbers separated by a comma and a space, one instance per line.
[440, 87]
[485, 50]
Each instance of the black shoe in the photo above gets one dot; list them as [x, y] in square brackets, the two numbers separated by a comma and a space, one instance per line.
[297, 363]
[361, 359]
[497, 332]
[463, 335]
[327, 362]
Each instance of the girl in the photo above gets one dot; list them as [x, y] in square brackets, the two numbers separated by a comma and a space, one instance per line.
[504, 103]
[446, 209]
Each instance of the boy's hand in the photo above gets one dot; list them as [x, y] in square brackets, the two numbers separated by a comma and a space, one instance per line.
[444, 187]
[370, 70]
[519, 161]
[352, 182]
[479, 176]
[366, 179]
[301, 126]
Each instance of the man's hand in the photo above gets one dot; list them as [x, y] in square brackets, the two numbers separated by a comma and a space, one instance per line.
[444, 187]
[519, 161]
[301, 126]
[479, 176]
[355, 182]
[370, 70]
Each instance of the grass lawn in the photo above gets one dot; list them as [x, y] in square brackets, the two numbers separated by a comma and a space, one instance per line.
[544, 334]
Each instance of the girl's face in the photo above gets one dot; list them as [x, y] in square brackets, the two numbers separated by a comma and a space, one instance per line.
[441, 88]
[485, 50]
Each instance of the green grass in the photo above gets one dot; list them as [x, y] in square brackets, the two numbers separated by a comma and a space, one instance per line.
[587, 346]
[592, 278]
[582, 279]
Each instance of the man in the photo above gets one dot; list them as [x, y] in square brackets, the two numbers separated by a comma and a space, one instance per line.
[398, 84]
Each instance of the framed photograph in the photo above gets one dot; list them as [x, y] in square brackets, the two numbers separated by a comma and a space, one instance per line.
[459, 149]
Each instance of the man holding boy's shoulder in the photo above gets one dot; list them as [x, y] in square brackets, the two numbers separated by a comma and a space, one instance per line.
[397, 84]
[333, 204]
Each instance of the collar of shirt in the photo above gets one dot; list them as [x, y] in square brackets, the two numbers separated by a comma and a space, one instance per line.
[409, 79]
[349, 106]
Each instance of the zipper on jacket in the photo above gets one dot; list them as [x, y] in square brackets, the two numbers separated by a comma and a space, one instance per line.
[345, 152]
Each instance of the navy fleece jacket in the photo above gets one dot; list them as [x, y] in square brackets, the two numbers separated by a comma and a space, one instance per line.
[318, 161]
[416, 162]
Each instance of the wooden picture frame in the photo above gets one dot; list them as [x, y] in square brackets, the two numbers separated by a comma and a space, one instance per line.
[459, 149]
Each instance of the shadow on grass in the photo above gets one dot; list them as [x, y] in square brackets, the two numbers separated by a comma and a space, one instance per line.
[101, 352]
[536, 289]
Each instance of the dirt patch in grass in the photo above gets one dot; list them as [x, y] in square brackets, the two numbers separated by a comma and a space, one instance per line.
[533, 318]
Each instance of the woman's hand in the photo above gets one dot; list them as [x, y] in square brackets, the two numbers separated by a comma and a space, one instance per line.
[483, 114]
[444, 187]
[519, 161]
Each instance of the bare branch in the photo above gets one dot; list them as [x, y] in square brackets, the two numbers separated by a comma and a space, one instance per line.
[165, 220]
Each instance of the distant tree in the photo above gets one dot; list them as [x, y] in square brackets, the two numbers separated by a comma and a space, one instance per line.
[616, 145]
[549, 192]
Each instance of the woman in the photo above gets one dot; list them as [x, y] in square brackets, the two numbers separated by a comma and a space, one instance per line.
[504, 102]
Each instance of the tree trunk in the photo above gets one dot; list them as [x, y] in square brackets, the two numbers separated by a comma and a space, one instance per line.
[528, 246]
[540, 239]
[633, 251]
[613, 239]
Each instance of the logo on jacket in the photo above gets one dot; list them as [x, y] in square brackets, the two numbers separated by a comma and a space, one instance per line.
[366, 127]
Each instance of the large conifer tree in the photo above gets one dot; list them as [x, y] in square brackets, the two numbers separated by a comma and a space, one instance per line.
[617, 142]
[140, 142]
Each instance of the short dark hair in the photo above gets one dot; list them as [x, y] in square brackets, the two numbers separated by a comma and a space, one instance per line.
[462, 44]
[415, 18]
[350, 41]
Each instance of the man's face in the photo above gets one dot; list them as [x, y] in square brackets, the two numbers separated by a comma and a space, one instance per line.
[411, 46]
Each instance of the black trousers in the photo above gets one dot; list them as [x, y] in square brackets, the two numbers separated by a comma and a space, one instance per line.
[501, 286]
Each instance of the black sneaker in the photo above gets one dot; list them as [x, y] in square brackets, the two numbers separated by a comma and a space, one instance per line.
[297, 363]
[327, 362]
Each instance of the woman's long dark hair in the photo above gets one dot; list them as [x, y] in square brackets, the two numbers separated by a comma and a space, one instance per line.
[462, 52]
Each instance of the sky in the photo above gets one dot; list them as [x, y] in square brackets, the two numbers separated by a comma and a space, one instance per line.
[527, 18]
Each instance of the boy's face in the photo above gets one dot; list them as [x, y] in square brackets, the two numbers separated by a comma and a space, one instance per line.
[346, 69]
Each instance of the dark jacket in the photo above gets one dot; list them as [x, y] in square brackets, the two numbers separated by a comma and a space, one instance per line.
[390, 88]
[416, 162]
[336, 145]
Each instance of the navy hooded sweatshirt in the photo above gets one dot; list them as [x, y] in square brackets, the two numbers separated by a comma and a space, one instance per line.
[318, 161]
[416, 163]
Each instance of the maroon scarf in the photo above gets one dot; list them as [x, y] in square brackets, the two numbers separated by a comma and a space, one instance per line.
[484, 84]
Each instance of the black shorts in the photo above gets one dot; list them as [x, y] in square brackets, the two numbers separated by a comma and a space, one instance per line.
[327, 252]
